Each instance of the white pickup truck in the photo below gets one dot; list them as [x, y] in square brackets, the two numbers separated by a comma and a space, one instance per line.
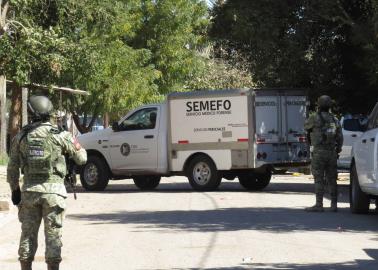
[364, 167]
[205, 135]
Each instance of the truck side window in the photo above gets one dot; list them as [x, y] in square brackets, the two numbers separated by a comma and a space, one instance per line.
[142, 119]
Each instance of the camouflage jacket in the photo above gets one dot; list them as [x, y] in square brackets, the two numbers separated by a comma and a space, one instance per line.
[46, 176]
[325, 131]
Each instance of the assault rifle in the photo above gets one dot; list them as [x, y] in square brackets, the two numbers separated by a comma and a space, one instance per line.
[70, 177]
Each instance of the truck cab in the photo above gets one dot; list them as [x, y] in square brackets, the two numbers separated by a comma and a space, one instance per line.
[364, 166]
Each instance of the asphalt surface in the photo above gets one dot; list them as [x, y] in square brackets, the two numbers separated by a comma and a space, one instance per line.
[177, 228]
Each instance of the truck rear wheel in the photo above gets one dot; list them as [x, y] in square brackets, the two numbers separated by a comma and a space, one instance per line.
[203, 174]
[359, 201]
[146, 182]
[255, 181]
[94, 175]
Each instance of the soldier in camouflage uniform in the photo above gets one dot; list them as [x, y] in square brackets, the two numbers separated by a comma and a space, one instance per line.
[324, 134]
[38, 150]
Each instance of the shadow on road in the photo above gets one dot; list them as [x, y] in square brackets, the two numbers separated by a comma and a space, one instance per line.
[352, 265]
[276, 220]
[226, 186]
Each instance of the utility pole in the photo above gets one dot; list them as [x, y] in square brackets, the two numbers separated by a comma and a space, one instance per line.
[4, 6]
[3, 112]
[24, 117]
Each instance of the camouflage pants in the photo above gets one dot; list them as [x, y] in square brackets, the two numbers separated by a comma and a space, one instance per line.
[33, 208]
[324, 170]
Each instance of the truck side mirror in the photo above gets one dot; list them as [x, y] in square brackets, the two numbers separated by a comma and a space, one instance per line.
[115, 126]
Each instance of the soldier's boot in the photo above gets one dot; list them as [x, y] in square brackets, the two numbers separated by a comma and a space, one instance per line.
[318, 207]
[53, 266]
[26, 265]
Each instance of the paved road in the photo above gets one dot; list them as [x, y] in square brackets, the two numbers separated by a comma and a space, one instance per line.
[176, 228]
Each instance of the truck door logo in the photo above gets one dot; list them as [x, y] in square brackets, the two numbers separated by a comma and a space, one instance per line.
[125, 149]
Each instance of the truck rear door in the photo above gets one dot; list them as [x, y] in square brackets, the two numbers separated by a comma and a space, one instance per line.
[280, 134]
[267, 119]
[293, 110]
[294, 113]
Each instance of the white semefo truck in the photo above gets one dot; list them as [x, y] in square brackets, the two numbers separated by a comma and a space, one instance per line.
[205, 135]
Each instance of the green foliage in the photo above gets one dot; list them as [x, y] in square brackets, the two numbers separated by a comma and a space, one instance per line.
[173, 30]
[124, 52]
[218, 74]
[327, 46]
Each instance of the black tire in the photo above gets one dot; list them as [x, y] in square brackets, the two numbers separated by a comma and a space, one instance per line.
[203, 174]
[359, 201]
[94, 175]
[255, 181]
[146, 182]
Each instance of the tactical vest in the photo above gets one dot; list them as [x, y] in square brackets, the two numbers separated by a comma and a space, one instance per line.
[41, 157]
[324, 132]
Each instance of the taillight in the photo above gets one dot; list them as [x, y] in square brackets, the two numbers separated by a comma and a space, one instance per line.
[302, 139]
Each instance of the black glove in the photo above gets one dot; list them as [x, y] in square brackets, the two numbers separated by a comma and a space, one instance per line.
[16, 196]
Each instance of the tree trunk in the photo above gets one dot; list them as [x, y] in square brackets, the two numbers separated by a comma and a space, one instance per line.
[81, 128]
[106, 120]
[84, 128]
[15, 111]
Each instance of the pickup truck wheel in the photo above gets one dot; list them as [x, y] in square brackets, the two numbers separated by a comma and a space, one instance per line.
[359, 201]
[255, 181]
[203, 174]
[94, 175]
[146, 182]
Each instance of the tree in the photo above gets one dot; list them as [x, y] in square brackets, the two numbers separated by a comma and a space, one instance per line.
[174, 31]
[326, 46]
[124, 52]
[219, 74]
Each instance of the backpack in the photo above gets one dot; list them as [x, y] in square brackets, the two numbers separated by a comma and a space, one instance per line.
[39, 155]
[328, 129]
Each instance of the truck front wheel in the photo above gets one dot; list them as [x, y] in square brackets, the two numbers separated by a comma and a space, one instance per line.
[358, 200]
[146, 182]
[203, 174]
[94, 175]
[255, 181]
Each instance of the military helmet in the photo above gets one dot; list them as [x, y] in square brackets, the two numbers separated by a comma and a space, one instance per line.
[324, 102]
[40, 107]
